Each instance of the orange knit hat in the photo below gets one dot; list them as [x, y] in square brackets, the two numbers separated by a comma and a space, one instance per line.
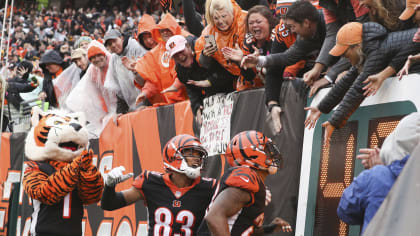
[93, 51]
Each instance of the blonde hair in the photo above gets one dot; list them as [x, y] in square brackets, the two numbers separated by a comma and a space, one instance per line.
[361, 55]
[216, 5]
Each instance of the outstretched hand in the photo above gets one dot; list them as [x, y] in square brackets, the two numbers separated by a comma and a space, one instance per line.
[406, 68]
[140, 98]
[281, 225]
[275, 116]
[171, 88]
[251, 60]
[313, 116]
[374, 82]
[130, 64]
[200, 83]
[310, 76]
[329, 129]
[22, 70]
[116, 176]
[370, 157]
[317, 85]
[198, 116]
[234, 54]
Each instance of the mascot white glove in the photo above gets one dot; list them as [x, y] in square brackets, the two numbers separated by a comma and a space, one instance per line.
[116, 176]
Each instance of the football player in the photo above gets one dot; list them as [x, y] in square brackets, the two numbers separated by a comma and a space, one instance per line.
[238, 208]
[176, 200]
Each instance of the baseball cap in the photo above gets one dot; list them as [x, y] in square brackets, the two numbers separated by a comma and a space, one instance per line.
[349, 34]
[409, 9]
[111, 34]
[78, 53]
[175, 44]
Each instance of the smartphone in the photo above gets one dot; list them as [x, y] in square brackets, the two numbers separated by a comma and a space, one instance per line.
[210, 40]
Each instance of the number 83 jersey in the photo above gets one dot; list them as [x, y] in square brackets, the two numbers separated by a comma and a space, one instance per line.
[174, 211]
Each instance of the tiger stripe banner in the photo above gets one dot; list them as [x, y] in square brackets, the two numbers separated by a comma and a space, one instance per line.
[136, 140]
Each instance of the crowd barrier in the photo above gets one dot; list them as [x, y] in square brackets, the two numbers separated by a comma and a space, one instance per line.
[305, 192]
[136, 142]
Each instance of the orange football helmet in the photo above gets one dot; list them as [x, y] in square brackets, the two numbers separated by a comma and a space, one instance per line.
[174, 151]
[253, 149]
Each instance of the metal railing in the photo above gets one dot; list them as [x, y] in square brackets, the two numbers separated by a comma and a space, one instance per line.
[22, 122]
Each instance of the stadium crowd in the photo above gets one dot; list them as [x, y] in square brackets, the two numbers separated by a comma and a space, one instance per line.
[107, 62]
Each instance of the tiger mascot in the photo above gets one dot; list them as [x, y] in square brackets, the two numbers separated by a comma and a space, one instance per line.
[60, 177]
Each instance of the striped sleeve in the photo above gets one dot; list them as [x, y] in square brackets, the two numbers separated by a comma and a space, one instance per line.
[50, 189]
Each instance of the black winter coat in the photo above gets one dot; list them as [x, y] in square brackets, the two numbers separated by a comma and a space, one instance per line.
[16, 86]
[381, 49]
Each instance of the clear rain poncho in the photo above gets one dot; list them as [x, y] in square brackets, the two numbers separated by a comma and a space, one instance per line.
[119, 79]
[91, 97]
[65, 83]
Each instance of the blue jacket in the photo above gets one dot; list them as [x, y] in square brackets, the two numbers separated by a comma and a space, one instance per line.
[364, 196]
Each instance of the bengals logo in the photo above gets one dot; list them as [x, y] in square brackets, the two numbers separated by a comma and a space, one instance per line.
[172, 45]
[176, 203]
[165, 59]
[249, 38]
[282, 10]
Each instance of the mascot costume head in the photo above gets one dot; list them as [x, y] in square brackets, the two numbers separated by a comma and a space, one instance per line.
[56, 135]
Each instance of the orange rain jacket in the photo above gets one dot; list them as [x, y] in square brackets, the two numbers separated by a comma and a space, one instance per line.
[158, 69]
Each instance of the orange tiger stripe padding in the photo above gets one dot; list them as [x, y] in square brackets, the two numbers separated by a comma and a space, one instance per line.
[50, 189]
[90, 186]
